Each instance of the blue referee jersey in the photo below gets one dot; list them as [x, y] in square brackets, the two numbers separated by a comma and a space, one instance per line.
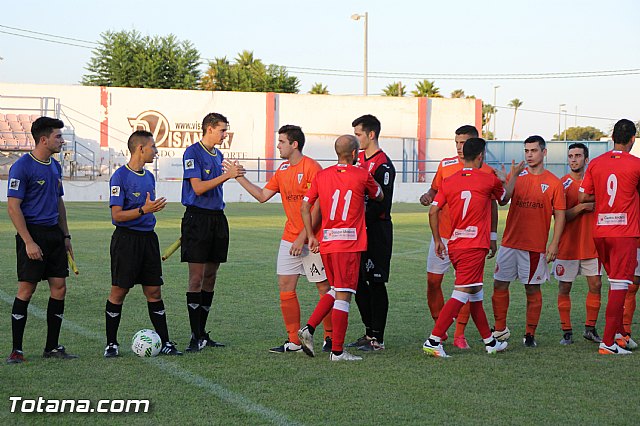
[129, 190]
[199, 162]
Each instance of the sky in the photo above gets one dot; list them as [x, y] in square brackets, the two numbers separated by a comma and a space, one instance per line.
[421, 38]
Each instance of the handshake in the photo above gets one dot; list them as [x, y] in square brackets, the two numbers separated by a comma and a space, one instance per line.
[233, 169]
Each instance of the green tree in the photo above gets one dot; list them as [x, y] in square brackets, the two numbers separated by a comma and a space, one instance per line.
[248, 74]
[319, 89]
[395, 89]
[458, 94]
[515, 104]
[127, 59]
[488, 112]
[588, 133]
[426, 88]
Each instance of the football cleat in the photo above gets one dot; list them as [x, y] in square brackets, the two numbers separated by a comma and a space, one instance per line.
[16, 357]
[111, 351]
[360, 342]
[195, 345]
[59, 353]
[326, 346]
[461, 342]
[372, 346]
[209, 342]
[435, 350]
[286, 347]
[496, 347]
[306, 340]
[529, 341]
[612, 350]
[502, 335]
[631, 344]
[344, 356]
[625, 342]
[169, 348]
[590, 333]
[567, 338]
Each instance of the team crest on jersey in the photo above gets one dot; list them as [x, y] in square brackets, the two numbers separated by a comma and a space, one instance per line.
[189, 164]
[371, 166]
[544, 187]
[136, 194]
[284, 166]
[115, 191]
[14, 184]
[300, 175]
[446, 163]
[559, 270]
[567, 183]
[40, 182]
[524, 172]
[207, 170]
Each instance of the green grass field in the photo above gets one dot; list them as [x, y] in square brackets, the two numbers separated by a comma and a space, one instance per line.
[245, 384]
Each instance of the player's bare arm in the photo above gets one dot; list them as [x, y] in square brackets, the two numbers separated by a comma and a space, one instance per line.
[434, 222]
[586, 198]
[493, 243]
[558, 227]
[262, 195]
[119, 215]
[305, 211]
[427, 198]
[510, 186]
[577, 210]
[15, 213]
[62, 223]
[234, 170]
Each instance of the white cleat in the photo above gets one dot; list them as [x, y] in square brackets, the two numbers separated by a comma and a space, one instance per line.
[502, 335]
[497, 347]
[344, 356]
[612, 350]
[434, 350]
[306, 341]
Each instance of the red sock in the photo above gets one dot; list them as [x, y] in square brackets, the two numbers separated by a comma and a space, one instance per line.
[291, 314]
[500, 302]
[480, 319]
[629, 308]
[564, 309]
[326, 324]
[534, 307]
[435, 298]
[445, 319]
[613, 315]
[593, 308]
[461, 320]
[340, 318]
[323, 308]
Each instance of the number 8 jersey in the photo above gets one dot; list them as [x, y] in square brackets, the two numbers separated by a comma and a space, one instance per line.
[341, 190]
[614, 179]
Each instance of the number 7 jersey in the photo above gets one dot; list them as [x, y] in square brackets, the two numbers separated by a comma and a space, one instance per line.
[614, 179]
[341, 190]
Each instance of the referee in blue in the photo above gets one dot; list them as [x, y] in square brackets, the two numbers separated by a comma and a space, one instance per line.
[34, 198]
[204, 228]
[135, 251]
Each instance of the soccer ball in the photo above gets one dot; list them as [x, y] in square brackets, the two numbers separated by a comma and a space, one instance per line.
[146, 343]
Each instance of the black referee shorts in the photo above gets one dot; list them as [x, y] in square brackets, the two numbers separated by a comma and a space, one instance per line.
[376, 261]
[54, 255]
[205, 236]
[135, 258]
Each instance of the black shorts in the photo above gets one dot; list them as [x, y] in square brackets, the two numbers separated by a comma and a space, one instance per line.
[205, 236]
[376, 261]
[54, 263]
[135, 258]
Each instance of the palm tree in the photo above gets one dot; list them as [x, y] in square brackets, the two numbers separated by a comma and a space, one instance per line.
[319, 89]
[426, 88]
[394, 89]
[458, 94]
[515, 104]
[488, 111]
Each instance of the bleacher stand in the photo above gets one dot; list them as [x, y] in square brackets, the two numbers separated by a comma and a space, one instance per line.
[15, 132]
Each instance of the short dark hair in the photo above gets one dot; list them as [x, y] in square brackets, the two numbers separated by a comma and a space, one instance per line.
[294, 134]
[467, 130]
[369, 123]
[139, 137]
[534, 139]
[212, 119]
[472, 147]
[43, 126]
[623, 131]
[585, 149]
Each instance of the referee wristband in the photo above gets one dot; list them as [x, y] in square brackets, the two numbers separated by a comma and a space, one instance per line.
[141, 211]
[494, 236]
[68, 237]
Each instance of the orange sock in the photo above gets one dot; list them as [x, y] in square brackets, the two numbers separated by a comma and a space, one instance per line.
[534, 307]
[564, 309]
[462, 320]
[500, 302]
[327, 324]
[629, 307]
[435, 298]
[593, 309]
[291, 314]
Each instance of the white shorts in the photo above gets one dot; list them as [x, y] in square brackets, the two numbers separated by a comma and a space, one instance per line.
[435, 265]
[528, 266]
[568, 270]
[637, 273]
[308, 263]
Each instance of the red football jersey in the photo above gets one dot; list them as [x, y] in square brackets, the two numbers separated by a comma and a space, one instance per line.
[576, 241]
[341, 190]
[468, 193]
[614, 179]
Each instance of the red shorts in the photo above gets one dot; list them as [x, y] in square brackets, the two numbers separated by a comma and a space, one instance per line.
[618, 256]
[342, 270]
[469, 266]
